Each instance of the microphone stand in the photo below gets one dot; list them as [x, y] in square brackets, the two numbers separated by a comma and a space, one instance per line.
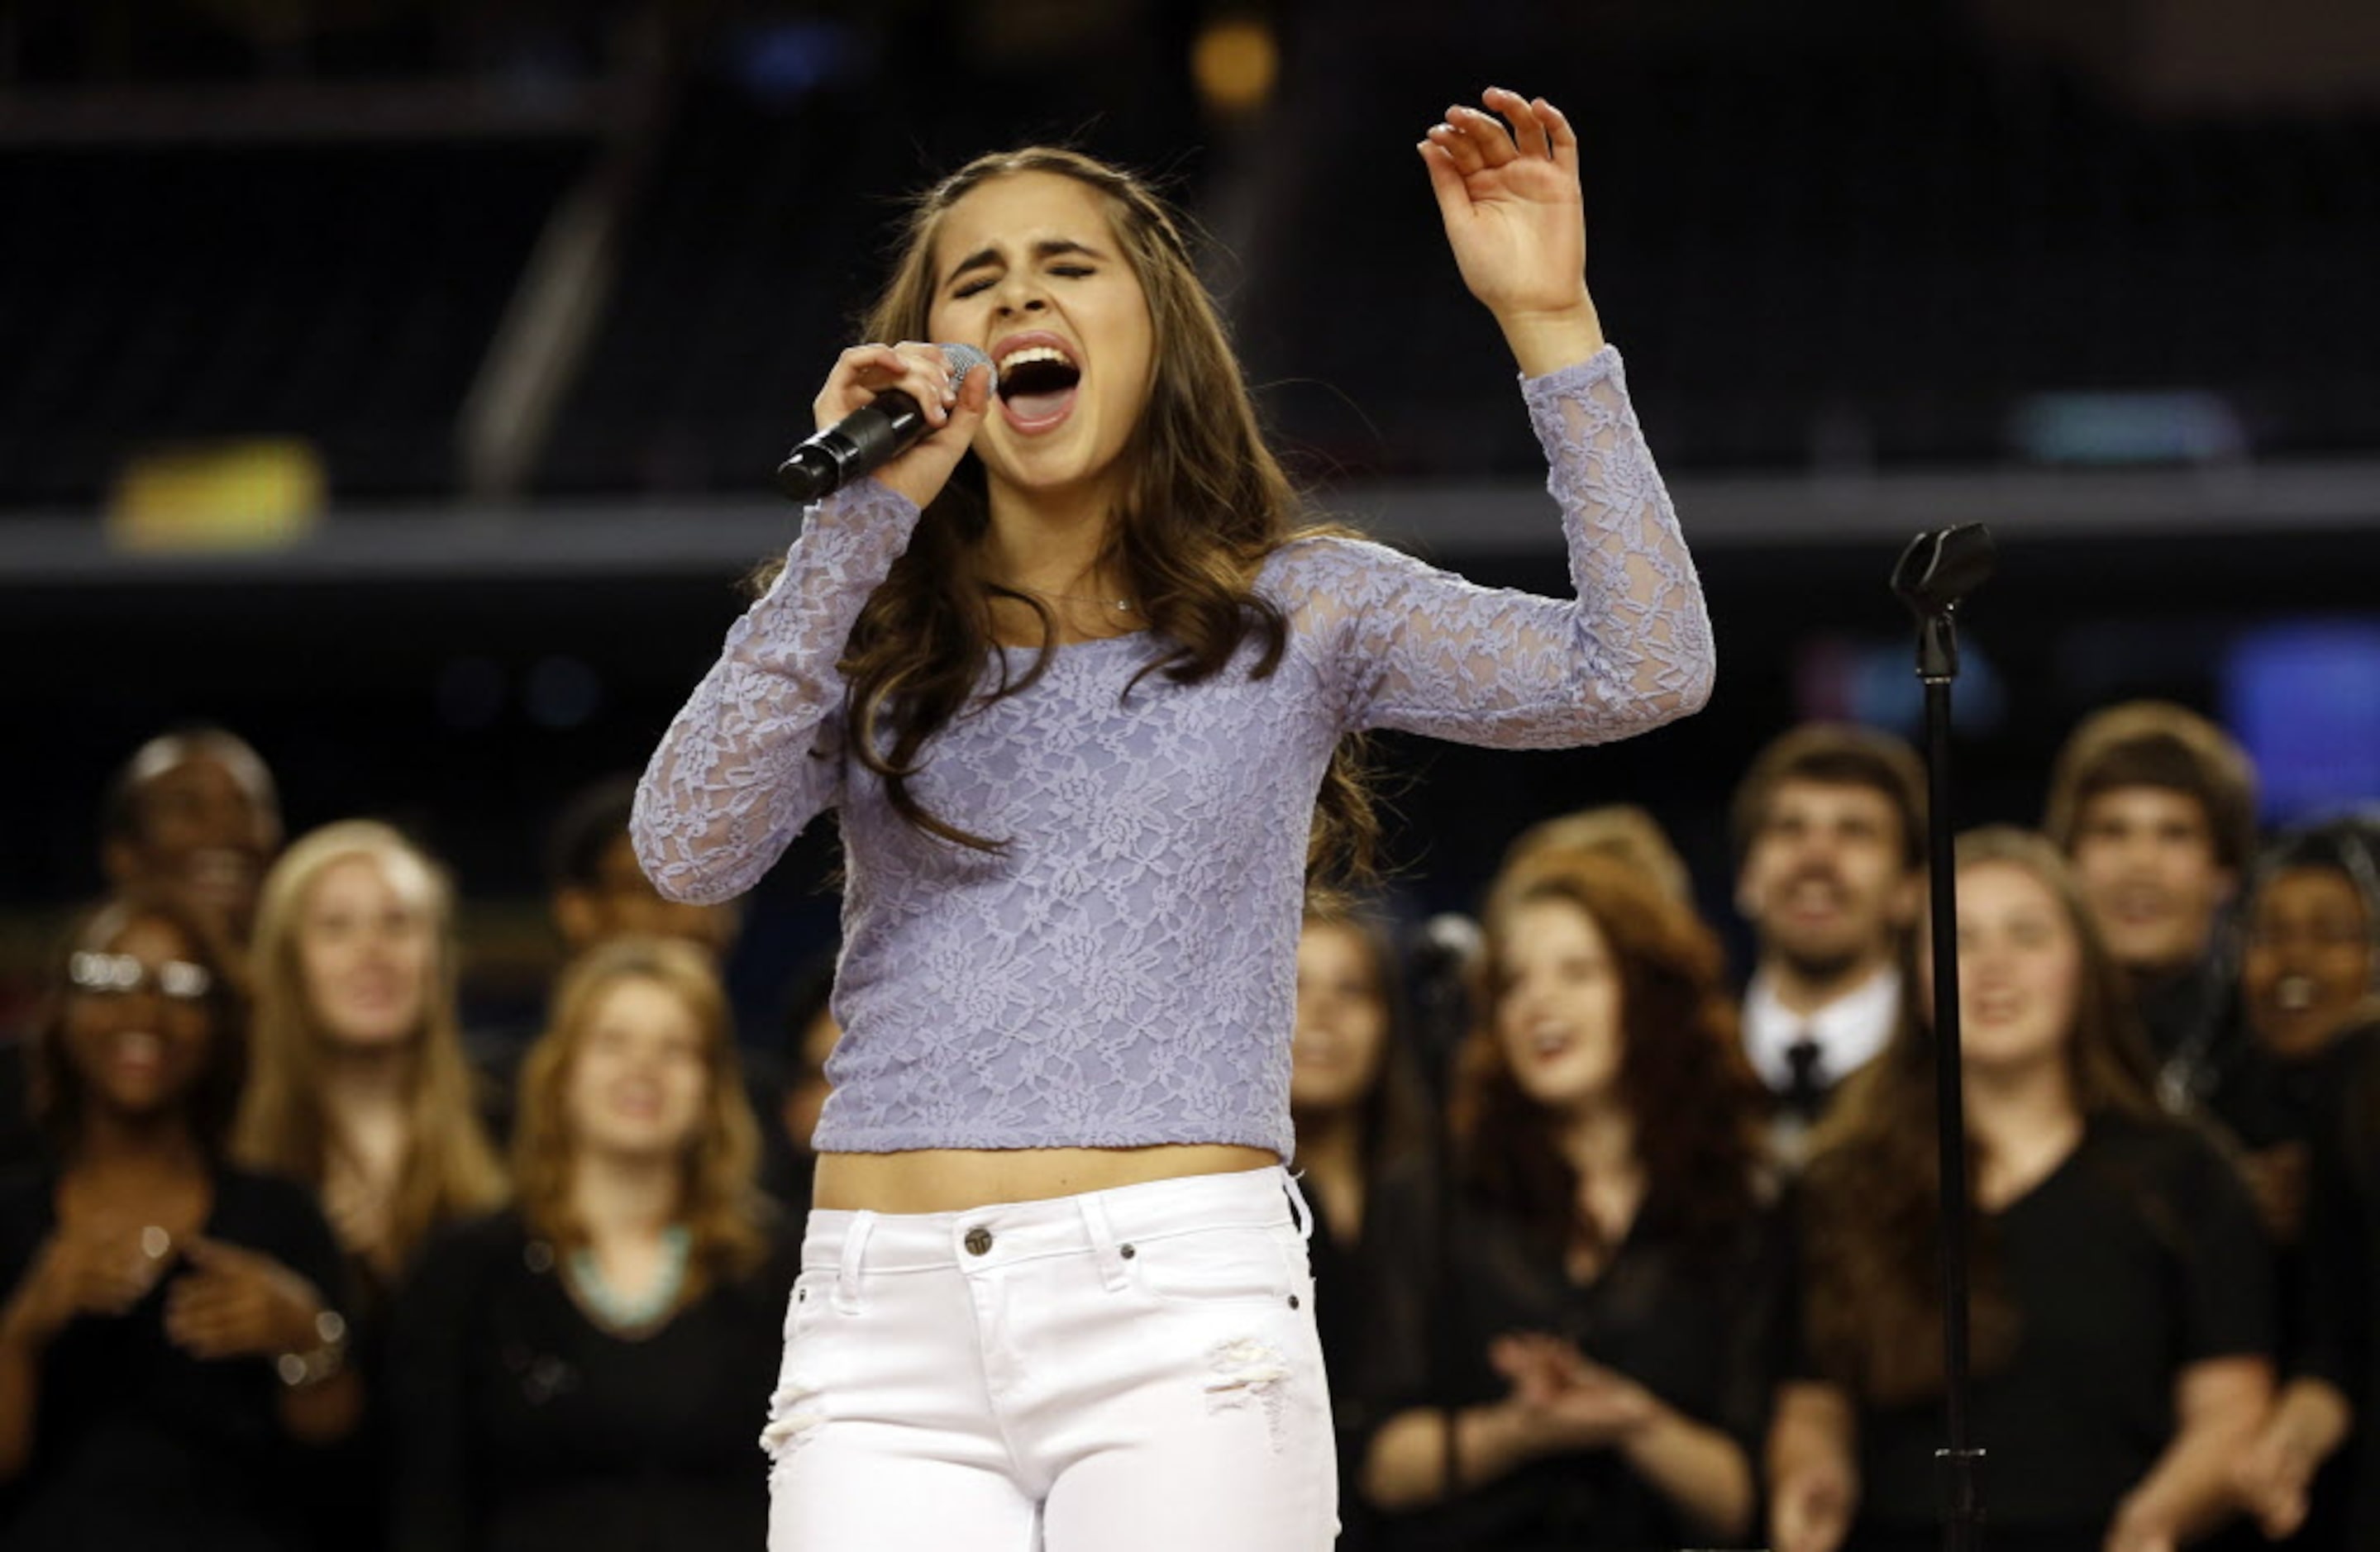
[1934, 573]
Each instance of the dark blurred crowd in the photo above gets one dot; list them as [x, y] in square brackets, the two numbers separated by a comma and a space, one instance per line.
[1612, 1249]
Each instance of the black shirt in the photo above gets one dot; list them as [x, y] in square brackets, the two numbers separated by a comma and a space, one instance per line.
[524, 1426]
[2191, 1020]
[1695, 1325]
[135, 1443]
[2338, 1292]
[1348, 1275]
[2139, 1255]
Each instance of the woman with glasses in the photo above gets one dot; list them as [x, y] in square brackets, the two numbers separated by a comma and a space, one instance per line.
[170, 1334]
[2306, 966]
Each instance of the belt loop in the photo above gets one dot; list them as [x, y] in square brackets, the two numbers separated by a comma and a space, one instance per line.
[1103, 1241]
[1299, 1212]
[854, 1252]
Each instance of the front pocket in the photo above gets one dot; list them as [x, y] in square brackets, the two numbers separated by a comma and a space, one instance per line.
[807, 1301]
[1230, 1265]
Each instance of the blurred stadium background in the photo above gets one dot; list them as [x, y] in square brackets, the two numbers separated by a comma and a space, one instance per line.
[396, 381]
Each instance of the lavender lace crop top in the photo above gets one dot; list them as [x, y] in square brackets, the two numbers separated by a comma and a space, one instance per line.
[1124, 972]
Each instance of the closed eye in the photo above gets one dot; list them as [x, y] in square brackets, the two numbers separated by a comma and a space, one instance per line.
[1069, 272]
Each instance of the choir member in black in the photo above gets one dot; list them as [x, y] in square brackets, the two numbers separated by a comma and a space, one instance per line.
[2122, 1310]
[2335, 1380]
[1361, 1118]
[2156, 806]
[170, 1341]
[600, 892]
[1605, 1350]
[2306, 966]
[1830, 830]
[360, 1087]
[193, 814]
[587, 1372]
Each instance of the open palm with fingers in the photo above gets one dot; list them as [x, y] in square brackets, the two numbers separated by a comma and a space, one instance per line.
[1507, 189]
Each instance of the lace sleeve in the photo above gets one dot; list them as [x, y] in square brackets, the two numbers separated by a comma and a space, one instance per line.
[1419, 650]
[754, 754]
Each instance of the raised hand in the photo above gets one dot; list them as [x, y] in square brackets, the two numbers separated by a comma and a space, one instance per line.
[1508, 190]
[239, 1304]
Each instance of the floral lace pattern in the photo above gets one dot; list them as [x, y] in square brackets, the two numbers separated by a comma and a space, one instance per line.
[1123, 972]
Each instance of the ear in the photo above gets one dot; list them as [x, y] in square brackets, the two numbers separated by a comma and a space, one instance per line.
[1907, 897]
[578, 917]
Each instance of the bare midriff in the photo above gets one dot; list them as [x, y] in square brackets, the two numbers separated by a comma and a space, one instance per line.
[954, 1180]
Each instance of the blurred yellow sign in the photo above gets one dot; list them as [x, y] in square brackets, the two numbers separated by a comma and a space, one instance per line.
[229, 495]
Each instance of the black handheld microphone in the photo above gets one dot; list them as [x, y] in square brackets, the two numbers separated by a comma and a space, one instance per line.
[870, 436]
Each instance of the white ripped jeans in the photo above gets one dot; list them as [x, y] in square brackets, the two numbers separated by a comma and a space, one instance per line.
[1132, 1370]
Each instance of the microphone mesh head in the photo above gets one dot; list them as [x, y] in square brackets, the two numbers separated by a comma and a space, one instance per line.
[964, 359]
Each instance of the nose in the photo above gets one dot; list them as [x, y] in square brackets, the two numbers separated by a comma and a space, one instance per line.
[1984, 958]
[1019, 292]
[147, 995]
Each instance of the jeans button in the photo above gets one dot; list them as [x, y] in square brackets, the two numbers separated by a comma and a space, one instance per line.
[978, 1241]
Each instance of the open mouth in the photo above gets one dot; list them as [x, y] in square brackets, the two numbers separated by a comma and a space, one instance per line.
[137, 1053]
[1036, 386]
[1548, 1044]
[2295, 994]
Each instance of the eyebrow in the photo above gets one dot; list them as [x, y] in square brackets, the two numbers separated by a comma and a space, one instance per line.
[1048, 247]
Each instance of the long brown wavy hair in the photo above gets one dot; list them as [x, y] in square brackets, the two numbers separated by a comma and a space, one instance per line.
[450, 1169]
[1870, 1197]
[1683, 1074]
[719, 1202]
[1207, 502]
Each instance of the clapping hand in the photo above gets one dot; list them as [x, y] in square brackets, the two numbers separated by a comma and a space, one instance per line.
[2275, 1479]
[1810, 1510]
[101, 1271]
[1568, 1401]
[239, 1304]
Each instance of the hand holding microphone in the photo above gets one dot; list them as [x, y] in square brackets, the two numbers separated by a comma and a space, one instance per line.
[903, 413]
